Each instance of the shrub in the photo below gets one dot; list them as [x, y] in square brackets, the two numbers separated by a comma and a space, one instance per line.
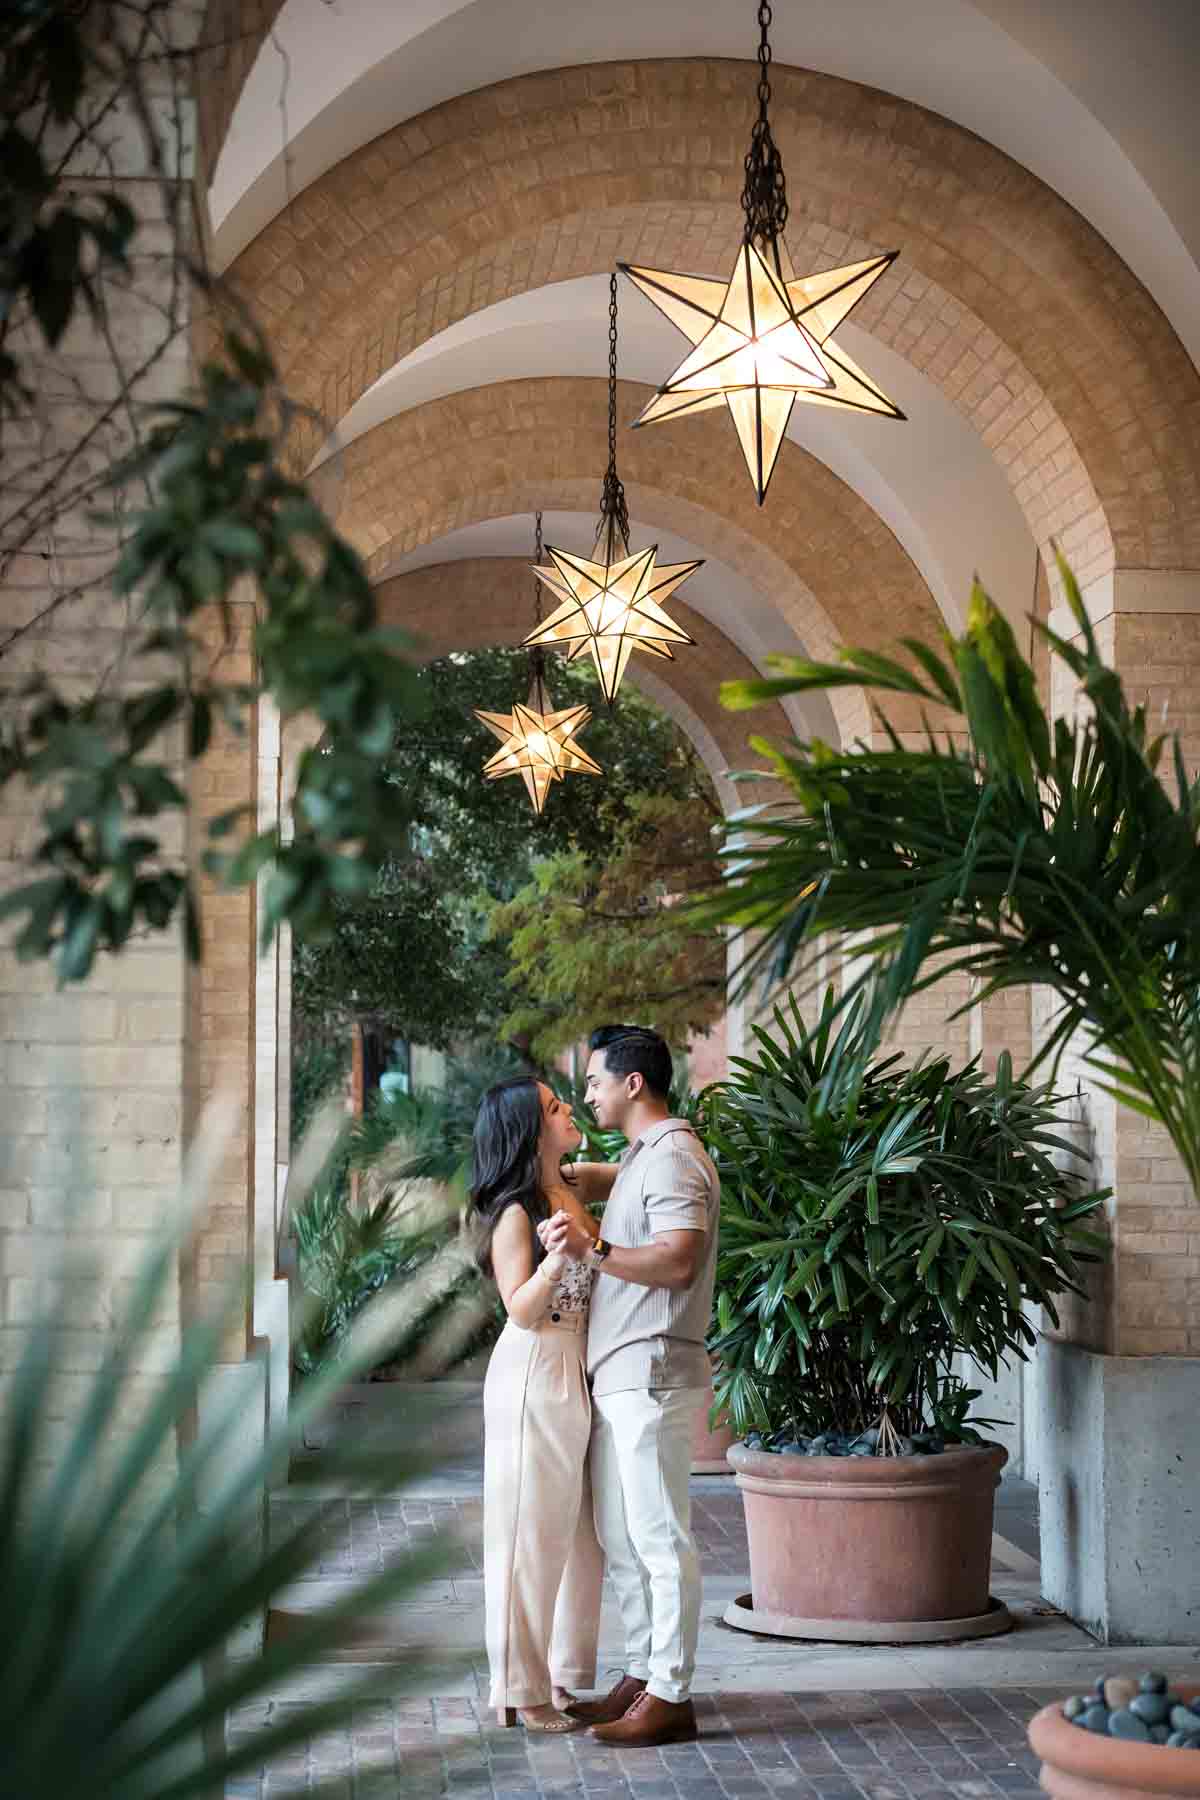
[877, 1220]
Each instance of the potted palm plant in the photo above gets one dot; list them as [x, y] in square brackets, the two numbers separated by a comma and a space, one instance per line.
[879, 1221]
[1062, 853]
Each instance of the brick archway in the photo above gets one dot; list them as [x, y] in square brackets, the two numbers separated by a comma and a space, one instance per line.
[1003, 294]
[829, 565]
[478, 601]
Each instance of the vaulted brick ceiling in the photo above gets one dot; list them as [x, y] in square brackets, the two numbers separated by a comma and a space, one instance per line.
[1005, 305]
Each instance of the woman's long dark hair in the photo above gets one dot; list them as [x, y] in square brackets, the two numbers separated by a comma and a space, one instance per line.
[507, 1137]
[508, 1129]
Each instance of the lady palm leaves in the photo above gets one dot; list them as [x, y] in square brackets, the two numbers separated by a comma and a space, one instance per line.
[876, 1220]
[130, 1551]
[1032, 853]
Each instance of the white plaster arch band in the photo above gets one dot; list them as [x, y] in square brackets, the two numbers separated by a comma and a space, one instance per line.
[1049, 86]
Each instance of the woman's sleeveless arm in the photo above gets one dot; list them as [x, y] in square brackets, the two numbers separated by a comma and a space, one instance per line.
[524, 1289]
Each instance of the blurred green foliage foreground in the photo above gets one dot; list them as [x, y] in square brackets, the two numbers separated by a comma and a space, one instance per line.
[132, 1545]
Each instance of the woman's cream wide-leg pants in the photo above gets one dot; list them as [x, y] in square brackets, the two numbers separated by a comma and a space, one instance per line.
[542, 1566]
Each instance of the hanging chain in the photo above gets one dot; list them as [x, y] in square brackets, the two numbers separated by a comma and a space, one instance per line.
[612, 370]
[537, 655]
[537, 557]
[764, 197]
[614, 514]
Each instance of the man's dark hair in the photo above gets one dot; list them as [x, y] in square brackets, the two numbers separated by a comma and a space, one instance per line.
[633, 1050]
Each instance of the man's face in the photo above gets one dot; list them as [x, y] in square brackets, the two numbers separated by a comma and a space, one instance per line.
[607, 1094]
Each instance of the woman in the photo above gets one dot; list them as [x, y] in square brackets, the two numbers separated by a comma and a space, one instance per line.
[542, 1564]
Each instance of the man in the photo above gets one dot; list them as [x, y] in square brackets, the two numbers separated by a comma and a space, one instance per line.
[651, 1302]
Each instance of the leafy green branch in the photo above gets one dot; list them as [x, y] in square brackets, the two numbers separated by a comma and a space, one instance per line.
[206, 520]
[223, 510]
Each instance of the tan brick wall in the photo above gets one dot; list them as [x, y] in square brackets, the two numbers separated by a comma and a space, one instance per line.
[102, 1081]
[1081, 390]
[1157, 1243]
[91, 1107]
[926, 1023]
[1003, 1023]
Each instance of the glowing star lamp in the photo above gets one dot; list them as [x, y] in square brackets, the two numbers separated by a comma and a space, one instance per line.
[611, 601]
[536, 742]
[763, 339]
[611, 608]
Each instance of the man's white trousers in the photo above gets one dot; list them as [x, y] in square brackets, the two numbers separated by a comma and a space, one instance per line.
[641, 1455]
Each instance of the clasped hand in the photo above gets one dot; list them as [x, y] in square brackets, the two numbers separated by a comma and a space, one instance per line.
[562, 1237]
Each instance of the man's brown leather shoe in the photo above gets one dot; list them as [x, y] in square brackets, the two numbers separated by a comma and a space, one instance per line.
[650, 1721]
[614, 1705]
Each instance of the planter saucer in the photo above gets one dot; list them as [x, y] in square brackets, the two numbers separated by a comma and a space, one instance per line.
[741, 1615]
[710, 1465]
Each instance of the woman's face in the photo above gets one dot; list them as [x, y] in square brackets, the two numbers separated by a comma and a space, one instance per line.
[560, 1134]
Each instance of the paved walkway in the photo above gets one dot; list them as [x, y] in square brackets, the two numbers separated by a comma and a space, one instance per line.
[823, 1722]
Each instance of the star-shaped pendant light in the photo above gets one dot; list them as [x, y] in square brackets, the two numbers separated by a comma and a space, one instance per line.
[611, 601]
[536, 741]
[538, 744]
[763, 339]
[611, 608]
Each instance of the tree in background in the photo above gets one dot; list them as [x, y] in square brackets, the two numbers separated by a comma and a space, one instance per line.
[604, 936]
[420, 955]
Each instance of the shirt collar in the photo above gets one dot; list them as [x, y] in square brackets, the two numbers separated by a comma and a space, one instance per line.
[653, 1134]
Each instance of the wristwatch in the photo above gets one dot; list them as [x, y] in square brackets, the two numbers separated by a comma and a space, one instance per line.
[597, 1253]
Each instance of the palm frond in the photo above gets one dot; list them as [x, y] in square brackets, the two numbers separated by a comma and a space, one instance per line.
[1035, 852]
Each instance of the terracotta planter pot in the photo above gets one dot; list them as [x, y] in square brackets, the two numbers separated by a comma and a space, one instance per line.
[1081, 1765]
[880, 1548]
[709, 1447]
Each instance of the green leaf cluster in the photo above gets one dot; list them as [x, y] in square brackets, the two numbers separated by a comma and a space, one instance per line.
[132, 1548]
[54, 242]
[878, 1220]
[349, 1251]
[223, 511]
[319, 1067]
[1062, 853]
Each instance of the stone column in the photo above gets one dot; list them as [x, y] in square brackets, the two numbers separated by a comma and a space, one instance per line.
[272, 995]
[1118, 1451]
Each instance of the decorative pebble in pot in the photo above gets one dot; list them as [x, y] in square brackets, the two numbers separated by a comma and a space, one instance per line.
[1131, 1738]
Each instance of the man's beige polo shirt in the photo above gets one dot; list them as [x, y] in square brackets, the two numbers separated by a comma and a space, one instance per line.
[644, 1337]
